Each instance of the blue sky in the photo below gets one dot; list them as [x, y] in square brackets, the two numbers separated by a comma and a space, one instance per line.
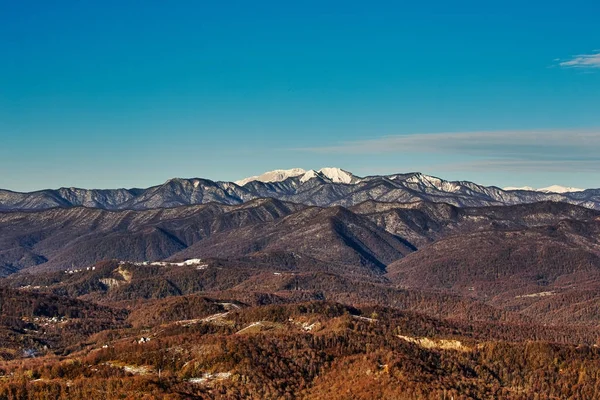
[132, 93]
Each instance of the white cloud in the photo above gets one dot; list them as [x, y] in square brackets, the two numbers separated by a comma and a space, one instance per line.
[582, 61]
[566, 150]
[555, 166]
[551, 143]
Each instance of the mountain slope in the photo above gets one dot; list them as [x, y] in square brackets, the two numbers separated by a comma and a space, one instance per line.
[72, 238]
[77, 237]
[421, 223]
[507, 264]
[363, 239]
[334, 235]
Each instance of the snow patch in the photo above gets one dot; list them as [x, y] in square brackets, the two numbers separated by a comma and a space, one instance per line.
[528, 188]
[444, 344]
[360, 317]
[132, 369]
[309, 327]
[110, 282]
[197, 262]
[252, 325]
[540, 294]
[206, 378]
[211, 318]
[433, 182]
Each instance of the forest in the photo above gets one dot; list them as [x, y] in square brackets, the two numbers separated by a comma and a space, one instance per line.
[198, 347]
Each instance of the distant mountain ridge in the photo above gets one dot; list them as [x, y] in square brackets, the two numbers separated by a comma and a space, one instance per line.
[335, 175]
[324, 187]
[549, 189]
[277, 175]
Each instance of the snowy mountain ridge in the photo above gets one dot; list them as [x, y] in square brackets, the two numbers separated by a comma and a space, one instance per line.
[277, 175]
[332, 174]
[324, 187]
[549, 189]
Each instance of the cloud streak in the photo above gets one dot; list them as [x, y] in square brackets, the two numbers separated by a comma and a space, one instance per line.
[565, 150]
[582, 61]
[583, 166]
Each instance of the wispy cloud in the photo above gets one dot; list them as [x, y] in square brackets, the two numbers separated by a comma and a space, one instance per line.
[582, 61]
[526, 166]
[565, 150]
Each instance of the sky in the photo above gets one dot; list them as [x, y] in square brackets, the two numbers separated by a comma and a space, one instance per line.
[107, 94]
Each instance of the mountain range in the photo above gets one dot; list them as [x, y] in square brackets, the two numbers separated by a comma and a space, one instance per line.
[329, 220]
[489, 263]
[285, 284]
[325, 187]
[482, 252]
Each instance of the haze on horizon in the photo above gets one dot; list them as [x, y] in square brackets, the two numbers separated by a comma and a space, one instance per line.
[107, 94]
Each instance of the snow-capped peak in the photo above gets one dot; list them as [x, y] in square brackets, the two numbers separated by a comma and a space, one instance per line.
[549, 189]
[309, 175]
[277, 175]
[559, 189]
[335, 175]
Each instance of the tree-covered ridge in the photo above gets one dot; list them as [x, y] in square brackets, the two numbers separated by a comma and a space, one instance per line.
[309, 350]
